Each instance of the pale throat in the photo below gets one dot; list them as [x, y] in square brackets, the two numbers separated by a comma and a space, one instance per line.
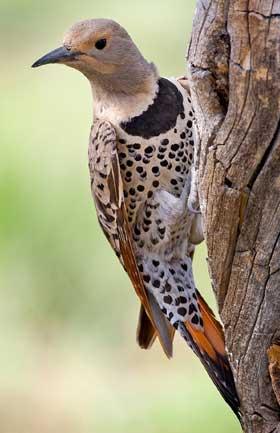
[120, 107]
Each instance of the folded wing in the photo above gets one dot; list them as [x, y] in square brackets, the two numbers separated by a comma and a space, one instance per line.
[107, 191]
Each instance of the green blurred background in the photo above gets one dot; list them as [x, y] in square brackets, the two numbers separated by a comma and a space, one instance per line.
[69, 361]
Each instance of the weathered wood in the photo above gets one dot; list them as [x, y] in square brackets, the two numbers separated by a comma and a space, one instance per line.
[234, 68]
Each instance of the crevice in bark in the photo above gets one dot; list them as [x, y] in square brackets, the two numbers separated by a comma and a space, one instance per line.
[265, 157]
[228, 182]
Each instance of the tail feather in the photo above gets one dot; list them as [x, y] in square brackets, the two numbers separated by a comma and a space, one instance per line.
[209, 346]
[146, 333]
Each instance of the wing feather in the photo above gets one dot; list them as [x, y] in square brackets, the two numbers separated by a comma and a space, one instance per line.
[107, 191]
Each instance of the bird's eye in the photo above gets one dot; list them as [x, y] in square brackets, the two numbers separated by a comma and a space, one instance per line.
[100, 44]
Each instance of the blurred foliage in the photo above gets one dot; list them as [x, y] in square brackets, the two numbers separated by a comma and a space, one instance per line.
[69, 361]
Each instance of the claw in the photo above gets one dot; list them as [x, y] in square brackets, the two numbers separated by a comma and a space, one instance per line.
[192, 209]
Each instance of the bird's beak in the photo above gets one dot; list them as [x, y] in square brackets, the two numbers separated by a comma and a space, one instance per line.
[60, 55]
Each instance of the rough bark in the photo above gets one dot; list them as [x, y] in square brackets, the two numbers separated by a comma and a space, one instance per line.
[234, 66]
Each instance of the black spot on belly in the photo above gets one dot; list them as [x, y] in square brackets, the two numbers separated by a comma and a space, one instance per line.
[182, 299]
[160, 116]
[138, 157]
[192, 309]
[195, 319]
[156, 284]
[146, 278]
[154, 241]
[161, 231]
[174, 147]
[149, 149]
[165, 142]
[167, 287]
[167, 299]
[182, 311]
[132, 191]
[155, 170]
[122, 155]
[137, 232]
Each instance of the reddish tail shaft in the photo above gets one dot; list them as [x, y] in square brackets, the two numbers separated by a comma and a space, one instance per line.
[209, 346]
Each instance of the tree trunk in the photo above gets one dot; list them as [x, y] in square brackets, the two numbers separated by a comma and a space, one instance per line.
[234, 66]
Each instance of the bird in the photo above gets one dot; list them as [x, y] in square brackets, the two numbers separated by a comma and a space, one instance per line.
[141, 158]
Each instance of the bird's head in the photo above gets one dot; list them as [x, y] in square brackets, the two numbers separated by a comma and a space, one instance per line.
[104, 52]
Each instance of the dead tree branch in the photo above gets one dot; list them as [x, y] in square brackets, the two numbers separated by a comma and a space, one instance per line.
[234, 65]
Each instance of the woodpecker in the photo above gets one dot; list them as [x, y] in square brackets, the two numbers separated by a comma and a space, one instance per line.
[141, 157]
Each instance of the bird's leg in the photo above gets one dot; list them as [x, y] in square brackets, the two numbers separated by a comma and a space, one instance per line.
[196, 233]
[193, 200]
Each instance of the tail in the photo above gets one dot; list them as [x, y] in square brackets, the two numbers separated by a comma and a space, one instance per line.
[209, 346]
[146, 332]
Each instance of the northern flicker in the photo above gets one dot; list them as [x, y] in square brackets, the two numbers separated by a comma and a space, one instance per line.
[141, 153]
